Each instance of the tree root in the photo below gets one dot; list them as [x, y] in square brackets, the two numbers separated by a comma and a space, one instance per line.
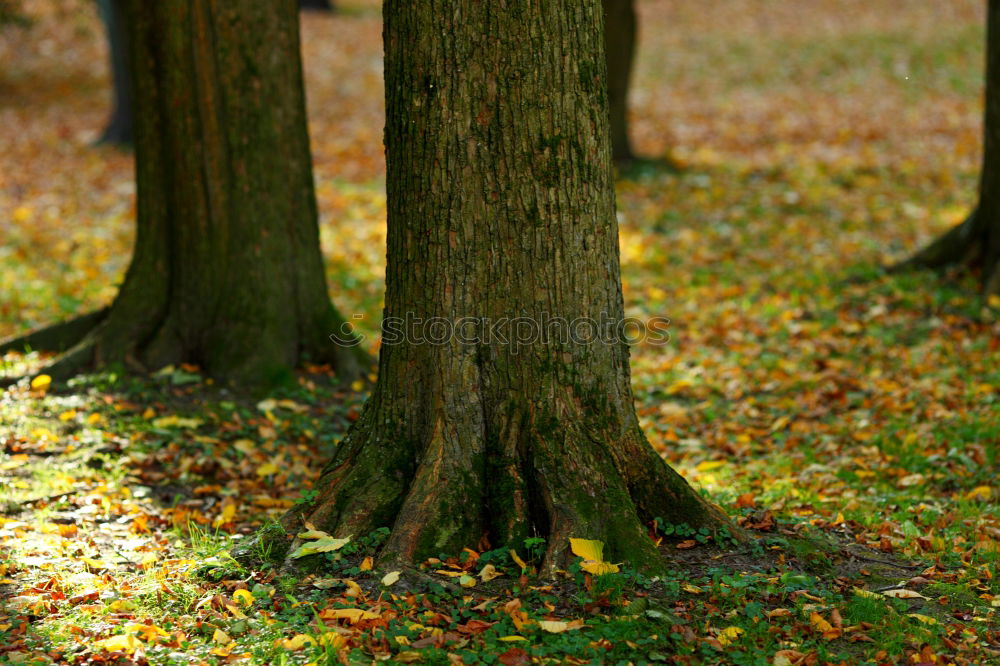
[560, 484]
[56, 337]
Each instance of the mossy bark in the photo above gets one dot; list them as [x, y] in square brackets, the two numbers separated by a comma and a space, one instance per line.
[500, 206]
[976, 242]
[620, 27]
[227, 271]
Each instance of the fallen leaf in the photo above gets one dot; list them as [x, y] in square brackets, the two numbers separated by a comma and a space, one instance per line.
[324, 545]
[728, 635]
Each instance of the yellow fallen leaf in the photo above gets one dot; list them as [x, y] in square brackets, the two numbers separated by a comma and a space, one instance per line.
[325, 545]
[517, 560]
[467, 581]
[599, 568]
[679, 386]
[313, 534]
[366, 564]
[227, 515]
[512, 638]
[926, 619]
[592, 552]
[729, 634]
[980, 492]
[868, 594]
[353, 589]
[95, 564]
[120, 643]
[297, 642]
[267, 469]
[175, 421]
[779, 423]
[691, 589]
[237, 613]
[67, 415]
[221, 637]
[243, 597]
[390, 578]
[352, 615]
[709, 465]
[553, 626]
[489, 572]
[903, 594]
[41, 382]
[333, 639]
[818, 621]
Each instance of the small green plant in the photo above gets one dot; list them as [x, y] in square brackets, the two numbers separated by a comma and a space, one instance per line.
[306, 497]
[535, 548]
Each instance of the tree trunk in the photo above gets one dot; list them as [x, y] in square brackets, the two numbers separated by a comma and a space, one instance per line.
[119, 127]
[317, 5]
[976, 242]
[619, 43]
[227, 271]
[500, 206]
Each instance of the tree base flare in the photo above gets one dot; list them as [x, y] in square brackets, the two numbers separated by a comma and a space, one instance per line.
[968, 245]
[109, 337]
[558, 484]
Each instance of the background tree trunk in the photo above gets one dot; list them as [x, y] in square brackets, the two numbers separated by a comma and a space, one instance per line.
[620, 26]
[320, 5]
[976, 242]
[119, 127]
[227, 271]
[500, 205]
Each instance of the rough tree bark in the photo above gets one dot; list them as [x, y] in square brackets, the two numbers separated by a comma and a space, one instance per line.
[500, 205]
[975, 243]
[619, 43]
[226, 271]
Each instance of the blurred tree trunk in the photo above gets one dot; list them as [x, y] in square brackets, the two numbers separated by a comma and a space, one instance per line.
[619, 41]
[501, 204]
[319, 5]
[976, 242]
[119, 127]
[227, 271]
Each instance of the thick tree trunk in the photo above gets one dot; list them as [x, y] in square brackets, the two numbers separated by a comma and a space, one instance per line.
[619, 42]
[500, 206]
[976, 242]
[316, 5]
[227, 271]
[119, 127]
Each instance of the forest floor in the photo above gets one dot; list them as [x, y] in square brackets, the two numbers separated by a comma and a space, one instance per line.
[850, 419]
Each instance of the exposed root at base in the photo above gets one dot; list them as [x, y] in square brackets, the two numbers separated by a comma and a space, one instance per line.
[56, 337]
